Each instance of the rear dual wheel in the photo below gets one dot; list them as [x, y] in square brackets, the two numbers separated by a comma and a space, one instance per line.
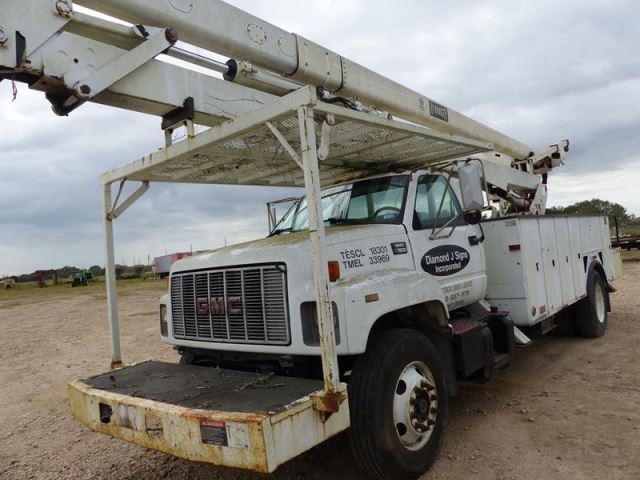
[591, 313]
[398, 403]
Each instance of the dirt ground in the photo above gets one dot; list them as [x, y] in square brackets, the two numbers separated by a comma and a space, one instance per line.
[568, 409]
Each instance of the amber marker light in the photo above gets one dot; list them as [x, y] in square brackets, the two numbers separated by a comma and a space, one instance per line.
[334, 270]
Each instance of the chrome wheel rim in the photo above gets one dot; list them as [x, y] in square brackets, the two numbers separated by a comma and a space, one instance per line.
[415, 406]
[601, 309]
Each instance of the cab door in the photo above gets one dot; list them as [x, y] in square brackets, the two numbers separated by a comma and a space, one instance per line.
[452, 255]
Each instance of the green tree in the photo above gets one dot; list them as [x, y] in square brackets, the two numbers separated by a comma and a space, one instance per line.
[96, 270]
[596, 206]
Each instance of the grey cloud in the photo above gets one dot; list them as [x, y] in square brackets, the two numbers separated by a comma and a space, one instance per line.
[539, 71]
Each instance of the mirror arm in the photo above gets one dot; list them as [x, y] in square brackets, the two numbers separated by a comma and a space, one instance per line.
[435, 234]
[474, 240]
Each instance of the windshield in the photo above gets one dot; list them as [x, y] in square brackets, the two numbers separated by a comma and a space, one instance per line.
[376, 200]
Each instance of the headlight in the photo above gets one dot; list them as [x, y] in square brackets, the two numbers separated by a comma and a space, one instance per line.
[164, 327]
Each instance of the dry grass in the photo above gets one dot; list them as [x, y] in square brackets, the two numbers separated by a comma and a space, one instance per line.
[31, 293]
[630, 255]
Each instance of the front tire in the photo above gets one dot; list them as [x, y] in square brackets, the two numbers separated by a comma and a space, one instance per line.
[398, 401]
[591, 312]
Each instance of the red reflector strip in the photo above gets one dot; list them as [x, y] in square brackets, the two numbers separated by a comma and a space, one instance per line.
[543, 309]
[514, 248]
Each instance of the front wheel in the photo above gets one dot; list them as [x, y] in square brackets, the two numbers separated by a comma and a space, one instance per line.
[398, 401]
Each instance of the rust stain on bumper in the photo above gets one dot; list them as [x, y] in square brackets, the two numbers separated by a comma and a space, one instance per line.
[256, 441]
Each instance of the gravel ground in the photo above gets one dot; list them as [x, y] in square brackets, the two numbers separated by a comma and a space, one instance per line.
[567, 409]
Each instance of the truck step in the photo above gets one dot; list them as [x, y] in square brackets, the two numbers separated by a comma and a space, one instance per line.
[520, 337]
[482, 344]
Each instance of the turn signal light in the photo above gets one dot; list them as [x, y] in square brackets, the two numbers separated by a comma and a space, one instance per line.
[164, 327]
[334, 270]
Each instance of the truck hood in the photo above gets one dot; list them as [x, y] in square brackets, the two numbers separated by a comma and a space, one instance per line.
[286, 247]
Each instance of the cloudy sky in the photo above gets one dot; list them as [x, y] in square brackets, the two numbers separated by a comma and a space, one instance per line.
[539, 71]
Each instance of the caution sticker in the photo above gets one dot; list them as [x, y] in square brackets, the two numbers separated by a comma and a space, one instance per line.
[225, 434]
[214, 432]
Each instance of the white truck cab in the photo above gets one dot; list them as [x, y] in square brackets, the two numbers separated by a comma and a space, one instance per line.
[370, 299]
[423, 293]
[388, 250]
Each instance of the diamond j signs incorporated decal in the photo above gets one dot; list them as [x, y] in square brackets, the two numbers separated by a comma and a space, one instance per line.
[445, 260]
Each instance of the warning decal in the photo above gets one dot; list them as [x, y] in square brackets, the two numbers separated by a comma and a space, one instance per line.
[226, 434]
[214, 432]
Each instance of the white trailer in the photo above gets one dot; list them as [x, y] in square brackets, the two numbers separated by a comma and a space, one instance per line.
[406, 290]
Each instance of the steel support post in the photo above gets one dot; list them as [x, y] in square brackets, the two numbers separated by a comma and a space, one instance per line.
[330, 369]
[110, 279]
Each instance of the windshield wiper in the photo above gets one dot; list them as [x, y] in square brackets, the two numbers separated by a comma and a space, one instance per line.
[332, 221]
[343, 221]
[278, 231]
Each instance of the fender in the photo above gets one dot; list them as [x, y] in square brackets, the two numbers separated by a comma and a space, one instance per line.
[597, 265]
[368, 297]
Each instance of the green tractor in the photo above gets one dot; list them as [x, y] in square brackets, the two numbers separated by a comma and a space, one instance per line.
[80, 278]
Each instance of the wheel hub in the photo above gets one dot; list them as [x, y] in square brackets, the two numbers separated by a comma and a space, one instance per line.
[600, 303]
[415, 406]
[423, 406]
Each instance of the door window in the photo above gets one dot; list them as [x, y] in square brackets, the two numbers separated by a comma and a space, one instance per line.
[429, 196]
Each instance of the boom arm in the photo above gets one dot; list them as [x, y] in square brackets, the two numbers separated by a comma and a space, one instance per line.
[75, 58]
[58, 51]
[217, 26]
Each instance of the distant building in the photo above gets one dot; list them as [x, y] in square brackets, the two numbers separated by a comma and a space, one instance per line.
[162, 265]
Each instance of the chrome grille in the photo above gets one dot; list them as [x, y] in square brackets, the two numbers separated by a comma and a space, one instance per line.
[236, 305]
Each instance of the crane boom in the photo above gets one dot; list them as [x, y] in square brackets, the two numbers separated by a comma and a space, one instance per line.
[76, 58]
[220, 27]
[55, 52]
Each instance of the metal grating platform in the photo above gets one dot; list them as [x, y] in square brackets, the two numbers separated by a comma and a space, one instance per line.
[245, 151]
[206, 387]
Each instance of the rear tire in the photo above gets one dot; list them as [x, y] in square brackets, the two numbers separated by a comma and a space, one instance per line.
[591, 312]
[398, 402]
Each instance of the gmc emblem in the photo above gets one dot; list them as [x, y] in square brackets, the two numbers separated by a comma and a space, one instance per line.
[217, 306]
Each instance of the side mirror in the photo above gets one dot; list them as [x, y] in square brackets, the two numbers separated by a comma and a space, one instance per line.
[470, 177]
[472, 218]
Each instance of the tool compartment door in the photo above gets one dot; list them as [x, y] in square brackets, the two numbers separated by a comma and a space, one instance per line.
[550, 265]
[579, 275]
[564, 259]
[533, 268]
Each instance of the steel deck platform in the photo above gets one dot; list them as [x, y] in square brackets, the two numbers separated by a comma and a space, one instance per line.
[206, 387]
[245, 151]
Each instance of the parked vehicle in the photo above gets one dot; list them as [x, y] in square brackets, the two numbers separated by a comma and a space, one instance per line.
[80, 278]
[7, 283]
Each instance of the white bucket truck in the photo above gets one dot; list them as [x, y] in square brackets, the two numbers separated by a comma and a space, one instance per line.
[419, 257]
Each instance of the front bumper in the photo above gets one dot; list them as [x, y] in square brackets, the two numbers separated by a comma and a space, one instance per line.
[255, 440]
